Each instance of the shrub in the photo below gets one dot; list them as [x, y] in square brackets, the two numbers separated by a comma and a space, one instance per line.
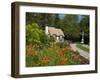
[37, 36]
[33, 34]
[63, 44]
[45, 40]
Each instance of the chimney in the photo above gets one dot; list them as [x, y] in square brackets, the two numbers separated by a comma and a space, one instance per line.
[46, 29]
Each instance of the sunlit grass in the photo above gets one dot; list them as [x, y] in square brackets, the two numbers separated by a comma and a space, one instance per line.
[82, 47]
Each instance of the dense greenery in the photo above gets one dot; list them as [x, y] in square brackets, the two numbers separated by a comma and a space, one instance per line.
[41, 19]
[70, 24]
[71, 27]
[37, 36]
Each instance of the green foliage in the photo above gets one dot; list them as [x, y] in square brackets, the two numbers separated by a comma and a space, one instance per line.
[71, 27]
[42, 19]
[63, 44]
[36, 59]
[45, 40]
[33, 34]
[57, 21]
[57, 60]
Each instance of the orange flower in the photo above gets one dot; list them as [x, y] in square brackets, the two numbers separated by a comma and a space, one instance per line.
[59, 52]
[45, 60]
[62, 61]
[64, 49]
[30, 52]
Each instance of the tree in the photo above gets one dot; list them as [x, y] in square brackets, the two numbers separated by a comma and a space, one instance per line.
[42, 19]
[71, 27]
[29, 18]
[57, 21]
[84, 24]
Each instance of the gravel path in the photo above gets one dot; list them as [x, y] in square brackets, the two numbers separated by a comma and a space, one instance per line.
[81, 52]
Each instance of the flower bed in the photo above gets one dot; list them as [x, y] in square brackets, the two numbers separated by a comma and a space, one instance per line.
[52, 56]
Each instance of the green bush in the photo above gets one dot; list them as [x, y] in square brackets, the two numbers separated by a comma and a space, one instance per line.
[35, 35]
[45, 40]
[63, 44]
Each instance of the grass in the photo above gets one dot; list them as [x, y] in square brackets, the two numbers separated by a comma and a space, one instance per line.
[82, 47]
[52, 56]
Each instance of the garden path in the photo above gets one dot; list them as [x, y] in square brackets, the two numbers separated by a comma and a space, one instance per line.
[81, 52]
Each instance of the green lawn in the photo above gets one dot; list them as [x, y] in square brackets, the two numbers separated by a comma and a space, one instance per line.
[82, 47]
